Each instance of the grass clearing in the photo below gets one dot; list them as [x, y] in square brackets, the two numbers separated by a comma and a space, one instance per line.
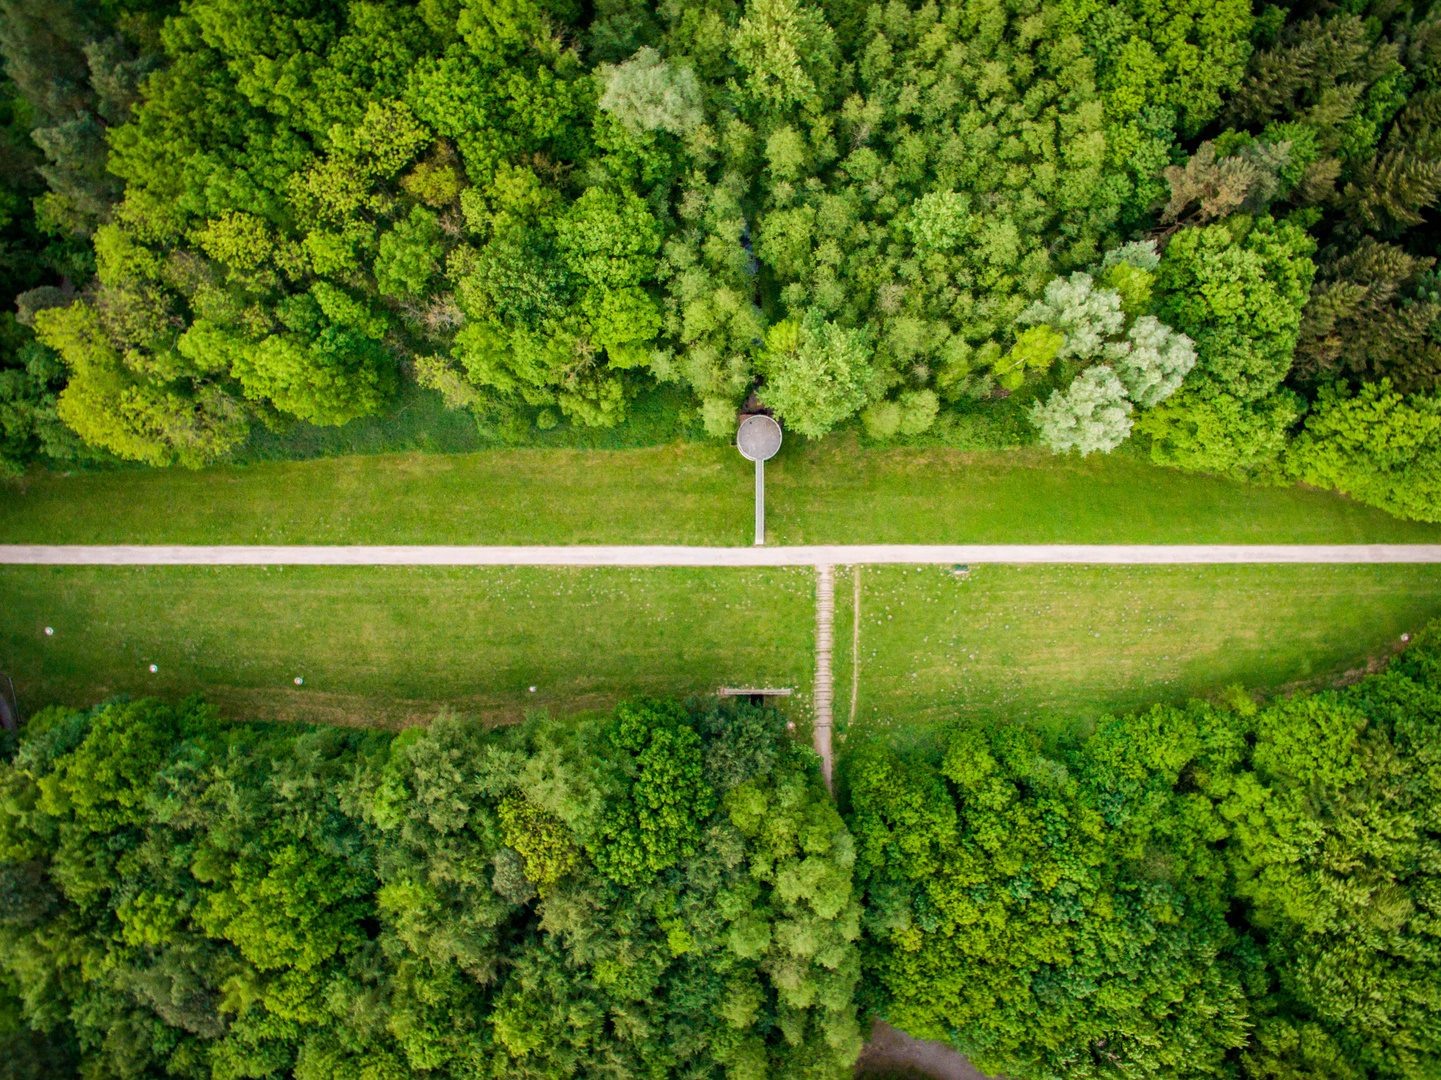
[1060, 645]
[385, 646]
[389, 646]
[830, 491]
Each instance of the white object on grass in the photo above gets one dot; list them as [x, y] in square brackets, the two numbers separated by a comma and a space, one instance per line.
[154, 668]
[49, 630]
[298, 680]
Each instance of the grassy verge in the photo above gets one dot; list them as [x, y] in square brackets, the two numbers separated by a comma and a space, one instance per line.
[1058, 646]
[390, 646]
[826, 492]
[1052, 646]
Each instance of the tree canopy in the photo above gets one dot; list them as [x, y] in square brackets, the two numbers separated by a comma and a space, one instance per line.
[878, 215]
[1213, 890]
[1223, 889]
[663, 892]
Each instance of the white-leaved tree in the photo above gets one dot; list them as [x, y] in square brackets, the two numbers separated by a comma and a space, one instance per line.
[1156, 361]
[1141, 254]
[1076, 319]
[1092, 415]
[1088, 317]
[648, 94]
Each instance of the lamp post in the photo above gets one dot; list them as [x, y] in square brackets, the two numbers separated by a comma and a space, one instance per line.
[758, 439]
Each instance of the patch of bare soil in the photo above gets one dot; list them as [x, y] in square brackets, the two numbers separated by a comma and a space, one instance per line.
[1331, 680]
[358, 710]
[897, 1056]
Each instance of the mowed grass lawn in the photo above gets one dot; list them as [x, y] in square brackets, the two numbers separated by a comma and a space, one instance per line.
[1051, 646]
[394, 646]
[831, 491]
[1058, 646]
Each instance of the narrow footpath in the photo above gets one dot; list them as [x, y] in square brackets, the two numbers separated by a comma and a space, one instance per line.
[855, 642]
[641, 555]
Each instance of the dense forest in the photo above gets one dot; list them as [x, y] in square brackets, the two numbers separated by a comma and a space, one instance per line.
[1192, 224]
[666, 893]
[1225, 891]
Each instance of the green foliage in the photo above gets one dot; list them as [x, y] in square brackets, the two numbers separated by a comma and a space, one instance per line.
[187, 418]
[190, 898]
[816, 373]
[1378, 447]
[647, 94]
[1183, 56]
[1345, 893]
[803, 858]
[30, 384]
[409, 255]
[1034, 349]
[1294, 80]
[1093, 414]
[1139, 361]
[1156, 362]
[1197, 892]
[609, 239]
[968, 166]
[913, 412]
[1371, 315]
[102, 785]
[79, 74]
[559, 305]
[654, 819]
[544, 210]
[1085, 316]
[1220, 433]
[541, 839]
[1054, 914]
[1190, 892]
[1237, 290]
[292, 909]
[268, 161]
[32, 262]
[331, 380]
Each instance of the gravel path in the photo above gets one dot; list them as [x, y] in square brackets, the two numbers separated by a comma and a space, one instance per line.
[615, 555]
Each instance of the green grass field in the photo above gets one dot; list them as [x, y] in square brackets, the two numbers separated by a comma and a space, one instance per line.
[826, 492]
[1057, 646]
[391, 646]
[1052, 646]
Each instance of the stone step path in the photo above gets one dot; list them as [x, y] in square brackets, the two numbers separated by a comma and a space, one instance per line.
[824, 690]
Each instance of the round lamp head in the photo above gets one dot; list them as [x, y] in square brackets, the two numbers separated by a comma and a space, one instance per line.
[759, 438]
